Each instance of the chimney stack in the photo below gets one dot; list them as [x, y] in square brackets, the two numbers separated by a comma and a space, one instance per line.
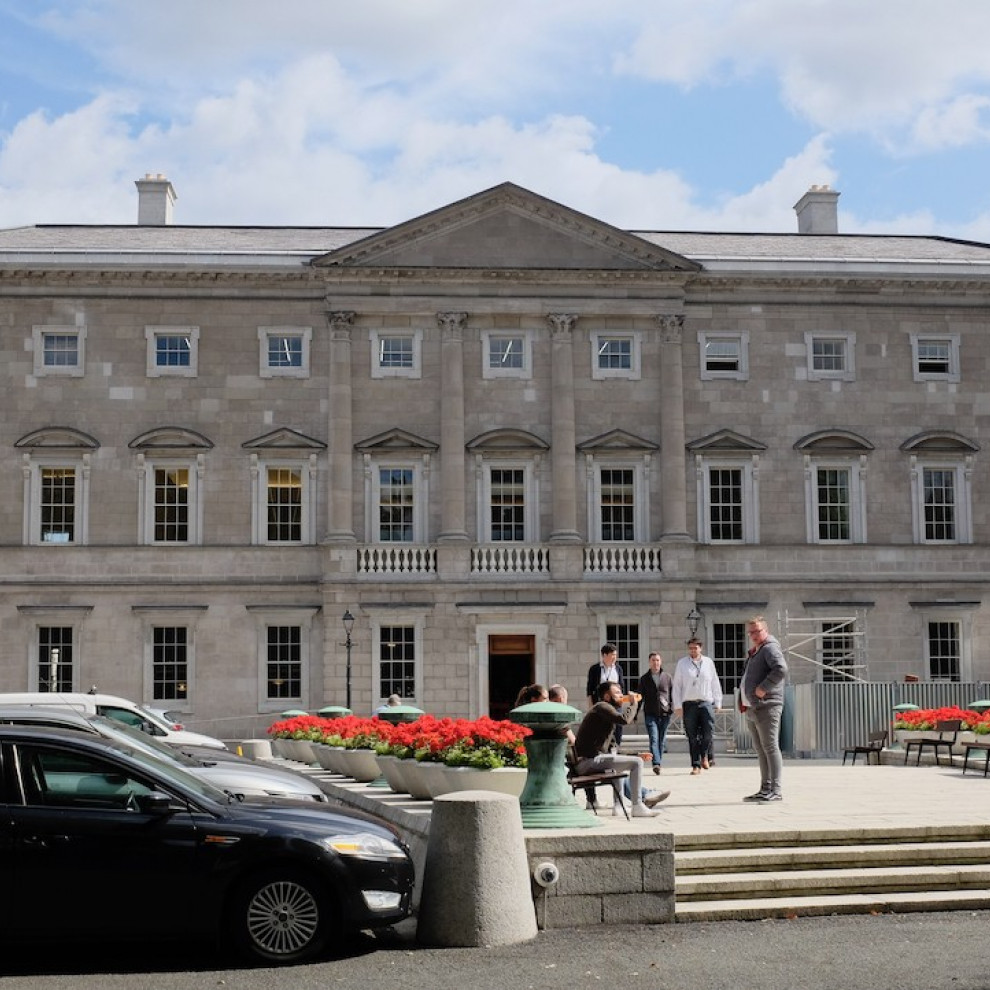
[155, 199]
[818, 211]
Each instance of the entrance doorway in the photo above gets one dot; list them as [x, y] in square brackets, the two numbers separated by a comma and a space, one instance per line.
[511, 666]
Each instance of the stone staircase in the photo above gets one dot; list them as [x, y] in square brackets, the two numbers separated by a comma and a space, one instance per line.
[869, 871]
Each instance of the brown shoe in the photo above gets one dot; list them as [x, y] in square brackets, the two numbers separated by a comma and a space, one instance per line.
[695, 771]
[704, 763]
[656, 767]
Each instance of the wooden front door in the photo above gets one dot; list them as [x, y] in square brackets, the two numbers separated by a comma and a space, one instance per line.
[511, 666]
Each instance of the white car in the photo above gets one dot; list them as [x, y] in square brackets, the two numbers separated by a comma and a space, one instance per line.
[118, 708]
[237, 775]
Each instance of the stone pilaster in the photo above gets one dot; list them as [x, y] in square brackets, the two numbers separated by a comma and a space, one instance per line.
[452, 482]
[563, 429]
[340, 496]
[673, 472]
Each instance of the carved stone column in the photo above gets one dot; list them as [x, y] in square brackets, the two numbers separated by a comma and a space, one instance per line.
[452, 520]
[340, 522]
[563, 429]
[673, 472]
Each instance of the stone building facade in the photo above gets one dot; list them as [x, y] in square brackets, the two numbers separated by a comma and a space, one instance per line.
[498, 435]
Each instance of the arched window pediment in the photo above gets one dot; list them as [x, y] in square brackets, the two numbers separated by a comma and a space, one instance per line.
[57, 438]
[833, 441]
[171, 438]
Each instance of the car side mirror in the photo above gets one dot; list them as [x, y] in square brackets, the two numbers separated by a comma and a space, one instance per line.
[154, 803]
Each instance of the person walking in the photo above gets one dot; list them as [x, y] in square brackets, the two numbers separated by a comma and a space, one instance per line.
[656, 686]
[697, 695]
[761, 698]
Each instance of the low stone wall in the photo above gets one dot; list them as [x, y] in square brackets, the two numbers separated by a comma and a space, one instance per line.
[607, 875]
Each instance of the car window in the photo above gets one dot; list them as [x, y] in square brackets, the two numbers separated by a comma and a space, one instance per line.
[62, 779]
[128, 717]
[130, 736]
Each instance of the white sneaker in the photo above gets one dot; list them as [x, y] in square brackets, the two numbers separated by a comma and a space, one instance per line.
[641, 811]
[617, 811]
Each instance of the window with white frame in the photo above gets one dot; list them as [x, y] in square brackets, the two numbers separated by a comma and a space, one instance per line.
[284, 635]
[837, 651]
[169, 492]
[172, 351]
[284, 509]
[171, 661]
[615, 355]
[617, 504]
[396, 354]
[835, 502]
[724, 355]
[506, 497]
[398, 645]
[55, 659]
[728, 504]
[59, 351]
[729, 648]
[56, 502]
[941, 499]
[284, 351]
[626, 637]
[935, 357]
[943, 648]
[283, 663]
[396, 503]
[506, 354]
[831, 356]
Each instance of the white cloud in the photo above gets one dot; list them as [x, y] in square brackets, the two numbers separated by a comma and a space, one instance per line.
[843, 65]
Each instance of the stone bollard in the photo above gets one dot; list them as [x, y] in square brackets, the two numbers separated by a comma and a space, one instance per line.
[476, 885]
[256, 749]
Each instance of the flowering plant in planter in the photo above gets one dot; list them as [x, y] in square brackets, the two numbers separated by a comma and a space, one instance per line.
[487, 744]
[305, 727]
[924, 719]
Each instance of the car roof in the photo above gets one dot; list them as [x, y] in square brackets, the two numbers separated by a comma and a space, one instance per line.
[40, 715]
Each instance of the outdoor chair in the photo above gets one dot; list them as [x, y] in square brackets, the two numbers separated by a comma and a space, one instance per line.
[936, 744]
[979, 747]
[875, 743]
[589, 781]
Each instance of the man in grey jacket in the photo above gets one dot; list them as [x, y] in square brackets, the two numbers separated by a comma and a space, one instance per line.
[761, 697]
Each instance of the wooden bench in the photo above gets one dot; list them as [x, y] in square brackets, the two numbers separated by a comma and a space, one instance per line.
[949, 725]
[589, 781]
[981, 747]
[875, 743]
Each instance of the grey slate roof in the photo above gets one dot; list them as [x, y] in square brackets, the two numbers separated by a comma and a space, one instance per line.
[125, 245]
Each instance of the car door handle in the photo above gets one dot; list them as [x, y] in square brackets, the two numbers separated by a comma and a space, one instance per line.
[43, 842]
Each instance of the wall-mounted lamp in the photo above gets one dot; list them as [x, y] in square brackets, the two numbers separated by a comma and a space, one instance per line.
[693, 619]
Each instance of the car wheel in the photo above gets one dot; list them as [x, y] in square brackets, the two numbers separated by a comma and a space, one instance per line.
[281, 916]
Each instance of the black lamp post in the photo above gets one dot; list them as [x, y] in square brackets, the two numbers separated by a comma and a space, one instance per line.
[693, 619]
[348, 620]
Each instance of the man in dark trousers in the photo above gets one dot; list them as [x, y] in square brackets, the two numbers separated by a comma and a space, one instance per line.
[655, 686]
[761, 697]
[608, 670]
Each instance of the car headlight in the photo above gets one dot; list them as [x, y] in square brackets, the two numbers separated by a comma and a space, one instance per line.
[365, 845]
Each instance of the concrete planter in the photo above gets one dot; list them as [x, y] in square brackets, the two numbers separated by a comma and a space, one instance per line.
[360, 764]
[392, 771]
[414, 774]
[325, 756]
[504, 780]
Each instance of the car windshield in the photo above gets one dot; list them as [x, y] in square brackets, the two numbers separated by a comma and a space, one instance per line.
[137, 739]
[172, 774]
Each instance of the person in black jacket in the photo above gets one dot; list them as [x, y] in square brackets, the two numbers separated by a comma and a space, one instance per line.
[608, 670]
[655, 686]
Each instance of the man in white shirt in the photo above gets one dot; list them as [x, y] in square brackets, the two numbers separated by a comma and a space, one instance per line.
[697, 696]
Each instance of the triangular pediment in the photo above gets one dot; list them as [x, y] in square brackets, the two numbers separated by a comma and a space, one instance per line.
[58, 438]
[171, 438]
[507, 227]
[727, 441]
[507, 440]
[616, 440]
[396, 439]
[283, 439]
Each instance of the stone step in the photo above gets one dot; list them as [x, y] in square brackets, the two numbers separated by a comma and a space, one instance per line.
[751, 909]
[829, 857]
[862, 880]
[794, 838]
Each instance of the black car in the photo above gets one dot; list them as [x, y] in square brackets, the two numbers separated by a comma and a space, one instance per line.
[91, 834]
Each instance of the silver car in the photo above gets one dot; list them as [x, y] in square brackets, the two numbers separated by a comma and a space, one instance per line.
[237, 776]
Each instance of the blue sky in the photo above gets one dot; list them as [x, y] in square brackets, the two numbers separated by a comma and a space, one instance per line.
[713, 115]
